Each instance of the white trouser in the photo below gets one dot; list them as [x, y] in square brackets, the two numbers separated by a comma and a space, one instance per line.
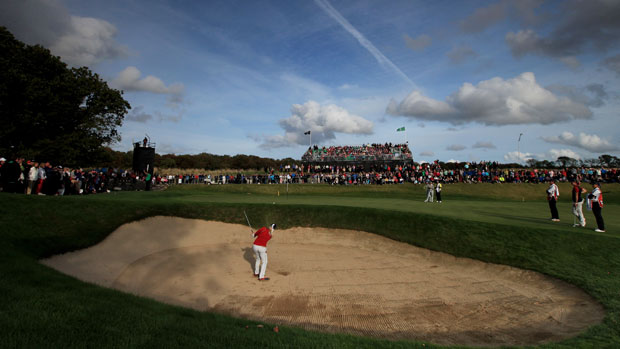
[429, 196]
[260, 253]
[578, 211]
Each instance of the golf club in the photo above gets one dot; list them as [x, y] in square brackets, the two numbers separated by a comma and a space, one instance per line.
[246, 218]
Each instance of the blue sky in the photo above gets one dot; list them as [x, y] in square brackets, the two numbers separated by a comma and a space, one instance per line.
[465, 78]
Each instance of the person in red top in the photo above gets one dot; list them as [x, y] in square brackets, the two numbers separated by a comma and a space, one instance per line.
[262, 235]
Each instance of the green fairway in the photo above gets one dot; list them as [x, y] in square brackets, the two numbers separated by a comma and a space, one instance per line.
[506, 224]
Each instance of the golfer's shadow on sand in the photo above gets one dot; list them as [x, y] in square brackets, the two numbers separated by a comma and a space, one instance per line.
[248, 255]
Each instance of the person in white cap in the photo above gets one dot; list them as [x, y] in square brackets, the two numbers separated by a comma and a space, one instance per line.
[262, 235]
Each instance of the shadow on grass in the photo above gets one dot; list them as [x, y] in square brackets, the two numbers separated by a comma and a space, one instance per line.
[514, 217]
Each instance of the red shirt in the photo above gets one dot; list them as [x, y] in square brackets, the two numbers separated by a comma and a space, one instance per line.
[263, 235]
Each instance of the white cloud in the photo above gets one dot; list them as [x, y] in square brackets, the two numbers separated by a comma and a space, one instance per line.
[417, 104]
[79, 41]
[592, 95]
[592, 143]
[554, 154]
[519, 100]
[453, 161]
[521, 157]
[130, 80]
[456, 147]
[323, 121]
[138, 114]
[551, 155]
[419, 43]
[90, 41]
[484, 145]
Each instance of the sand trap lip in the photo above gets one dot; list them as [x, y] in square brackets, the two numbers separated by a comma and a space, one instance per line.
[335, 281]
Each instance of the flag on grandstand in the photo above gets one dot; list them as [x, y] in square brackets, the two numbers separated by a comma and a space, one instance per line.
[400, 129]
[307, 132]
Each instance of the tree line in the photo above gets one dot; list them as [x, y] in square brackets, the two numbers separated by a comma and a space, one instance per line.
[206, 161]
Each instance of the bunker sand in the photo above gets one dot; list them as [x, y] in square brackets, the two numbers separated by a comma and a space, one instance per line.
[335, 281]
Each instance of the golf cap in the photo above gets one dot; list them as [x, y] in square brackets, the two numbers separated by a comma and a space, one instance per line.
[2, 159]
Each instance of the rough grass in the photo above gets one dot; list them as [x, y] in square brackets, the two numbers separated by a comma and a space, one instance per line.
[42, 308]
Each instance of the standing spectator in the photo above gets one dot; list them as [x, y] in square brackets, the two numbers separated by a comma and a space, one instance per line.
[41, 176]
[2, 161]
[596, 198]
[552, 196]
[10, 172]
[578, 204]
[438, 188]
[32, 178]
[429, 191]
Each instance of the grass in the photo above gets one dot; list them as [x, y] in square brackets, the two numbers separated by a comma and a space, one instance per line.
[501, 224]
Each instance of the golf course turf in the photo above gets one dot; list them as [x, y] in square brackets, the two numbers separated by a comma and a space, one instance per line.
[504, 224]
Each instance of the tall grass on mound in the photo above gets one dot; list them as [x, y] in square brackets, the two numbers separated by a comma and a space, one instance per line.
[42, 308]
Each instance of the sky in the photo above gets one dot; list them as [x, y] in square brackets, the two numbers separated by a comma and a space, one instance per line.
[505, 81]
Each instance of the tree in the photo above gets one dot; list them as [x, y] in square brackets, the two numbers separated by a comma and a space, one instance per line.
[51, 112]
[609, 160]
[565, 161]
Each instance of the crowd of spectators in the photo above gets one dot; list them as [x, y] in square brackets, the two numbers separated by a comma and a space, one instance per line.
[384, 173]
[33, 178]
[19, 176]
[365, 152]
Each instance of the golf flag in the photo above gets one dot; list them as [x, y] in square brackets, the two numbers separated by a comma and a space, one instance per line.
[307, 132]
[400, 129]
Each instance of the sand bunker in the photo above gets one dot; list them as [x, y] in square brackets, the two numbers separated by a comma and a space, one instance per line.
[335, 281]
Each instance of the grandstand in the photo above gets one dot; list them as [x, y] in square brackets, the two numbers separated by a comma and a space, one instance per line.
[366, 154]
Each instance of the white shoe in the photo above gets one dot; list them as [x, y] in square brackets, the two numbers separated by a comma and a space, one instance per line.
[576, 225]
[599, 231]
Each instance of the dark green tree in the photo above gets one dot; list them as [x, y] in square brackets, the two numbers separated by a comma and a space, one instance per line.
[565, 161]
[609, 160]
[51, 112]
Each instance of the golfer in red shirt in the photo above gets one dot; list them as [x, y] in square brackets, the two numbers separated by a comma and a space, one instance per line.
[262, 235]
